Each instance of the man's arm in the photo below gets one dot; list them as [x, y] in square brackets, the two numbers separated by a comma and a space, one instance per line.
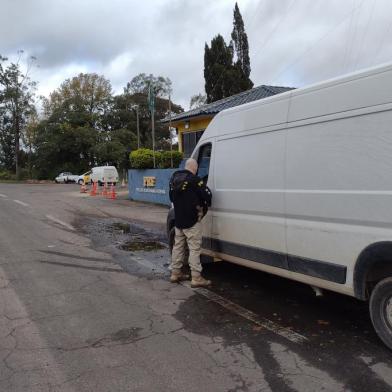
[204, 193]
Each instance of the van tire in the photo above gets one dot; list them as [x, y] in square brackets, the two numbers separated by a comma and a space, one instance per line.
[172, 234]
[380, 307]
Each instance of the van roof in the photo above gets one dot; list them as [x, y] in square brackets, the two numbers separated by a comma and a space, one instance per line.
[360, 89]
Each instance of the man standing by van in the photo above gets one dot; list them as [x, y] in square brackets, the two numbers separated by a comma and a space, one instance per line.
[191, 199]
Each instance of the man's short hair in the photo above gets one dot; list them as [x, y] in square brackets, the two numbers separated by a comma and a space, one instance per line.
[191, 164]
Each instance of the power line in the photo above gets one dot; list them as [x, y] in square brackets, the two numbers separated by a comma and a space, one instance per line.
[365, 33]
[356, 16]
[309, 48]
[250, 25]
[348, 46]
[274, 28]
[380, 46]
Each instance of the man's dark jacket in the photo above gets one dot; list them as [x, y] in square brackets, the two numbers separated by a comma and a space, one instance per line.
[188, 194]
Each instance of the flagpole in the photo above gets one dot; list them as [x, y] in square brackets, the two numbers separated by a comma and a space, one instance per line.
[153, 135]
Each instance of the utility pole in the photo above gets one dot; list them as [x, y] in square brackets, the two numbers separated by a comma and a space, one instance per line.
[135, 107]
[137, 126]
[170, 135]
[151, 104]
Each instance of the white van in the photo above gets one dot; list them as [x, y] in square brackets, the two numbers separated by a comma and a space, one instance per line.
[302, 188]
[102, 174]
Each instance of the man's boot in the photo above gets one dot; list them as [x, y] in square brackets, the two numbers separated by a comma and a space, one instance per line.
[177, 276]
[199, 281]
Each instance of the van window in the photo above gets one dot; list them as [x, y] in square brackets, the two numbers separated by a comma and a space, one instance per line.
[204, 160]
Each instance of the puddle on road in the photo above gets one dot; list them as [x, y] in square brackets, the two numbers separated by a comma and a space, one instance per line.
[123, 228]
[138, 245]
[120, 226]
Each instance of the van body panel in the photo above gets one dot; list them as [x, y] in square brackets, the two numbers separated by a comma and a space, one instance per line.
[341, 189]
[254, 116]
[342, 95]
[310, 280]
[248, 201]
[302, 181]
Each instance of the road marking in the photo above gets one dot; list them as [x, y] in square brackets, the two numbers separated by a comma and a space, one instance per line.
[60, 222]
[249, 315]
[1, 195]
[22, 203]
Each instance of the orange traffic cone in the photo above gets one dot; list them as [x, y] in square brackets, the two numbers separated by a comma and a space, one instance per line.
[93, 191]
[112, 192]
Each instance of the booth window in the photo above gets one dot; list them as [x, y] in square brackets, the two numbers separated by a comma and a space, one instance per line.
[189, 141]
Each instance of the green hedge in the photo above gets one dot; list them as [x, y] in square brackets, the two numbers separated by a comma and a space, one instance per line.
[6, 175]
[143, 159]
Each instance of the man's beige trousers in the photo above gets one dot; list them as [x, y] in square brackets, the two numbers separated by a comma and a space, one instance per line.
[192, 237]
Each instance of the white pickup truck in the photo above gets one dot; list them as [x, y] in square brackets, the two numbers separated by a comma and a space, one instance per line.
[65, 178]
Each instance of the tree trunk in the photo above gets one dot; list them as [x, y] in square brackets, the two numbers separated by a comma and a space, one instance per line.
[17, 146]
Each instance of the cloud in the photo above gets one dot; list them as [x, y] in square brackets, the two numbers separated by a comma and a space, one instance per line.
[292, 42]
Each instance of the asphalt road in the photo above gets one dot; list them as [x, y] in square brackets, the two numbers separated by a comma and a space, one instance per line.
[80, 313]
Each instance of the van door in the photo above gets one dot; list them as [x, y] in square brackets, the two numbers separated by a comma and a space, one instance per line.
[204, 160]
[248, 199]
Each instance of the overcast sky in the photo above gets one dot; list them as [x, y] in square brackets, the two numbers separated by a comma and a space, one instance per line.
[292, 42]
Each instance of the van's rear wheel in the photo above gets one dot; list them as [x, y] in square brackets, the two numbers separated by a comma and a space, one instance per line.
[380, 307]
[172, 235]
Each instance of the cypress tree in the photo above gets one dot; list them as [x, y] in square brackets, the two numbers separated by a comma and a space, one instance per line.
[224, 76]
[241, 47]
[218, 64]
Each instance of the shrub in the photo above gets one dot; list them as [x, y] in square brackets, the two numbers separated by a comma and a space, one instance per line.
[165, 161]
[143, 159]
[6, 175]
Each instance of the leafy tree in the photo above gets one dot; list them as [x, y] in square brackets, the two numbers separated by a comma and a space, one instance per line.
[16, 105]
[138, 102]
[76, 120]
[197, 101]
[140, 84]
[84, 125]
[241, 47]
[29, 141]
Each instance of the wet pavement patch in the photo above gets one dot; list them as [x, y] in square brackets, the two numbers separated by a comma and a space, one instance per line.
[125, 228]
[139, 245]
[129, 243]
[123, 336]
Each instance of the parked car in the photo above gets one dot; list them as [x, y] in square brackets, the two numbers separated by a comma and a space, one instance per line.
[66, 177]
[84, 178]
[102, 174]
[302, 188]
